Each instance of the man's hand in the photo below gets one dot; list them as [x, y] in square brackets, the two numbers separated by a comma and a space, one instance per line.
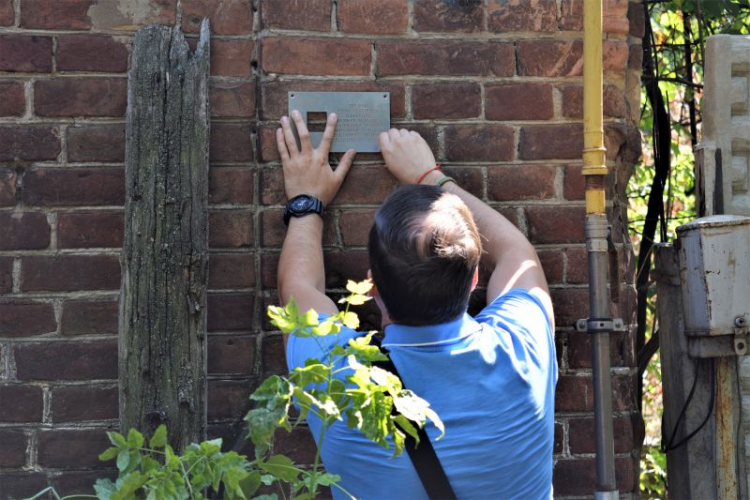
[308, 171]
[406, 154]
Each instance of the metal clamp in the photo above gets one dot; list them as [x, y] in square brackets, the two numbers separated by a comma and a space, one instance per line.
[600, 325]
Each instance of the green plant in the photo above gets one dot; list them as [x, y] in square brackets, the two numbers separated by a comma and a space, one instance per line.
[345, 386]
[654, 473]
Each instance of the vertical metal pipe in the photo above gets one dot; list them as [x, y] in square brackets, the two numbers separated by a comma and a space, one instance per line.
[596, 239]
[597, 232]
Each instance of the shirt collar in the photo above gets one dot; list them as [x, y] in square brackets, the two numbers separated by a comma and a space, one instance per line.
[428, 335]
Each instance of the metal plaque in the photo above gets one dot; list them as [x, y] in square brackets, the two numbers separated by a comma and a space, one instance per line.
[362, 116]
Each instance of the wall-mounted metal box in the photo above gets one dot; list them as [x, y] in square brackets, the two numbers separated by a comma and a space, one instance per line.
[714, 254]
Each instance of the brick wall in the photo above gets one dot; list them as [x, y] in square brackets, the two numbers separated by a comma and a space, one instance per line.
[494, 86]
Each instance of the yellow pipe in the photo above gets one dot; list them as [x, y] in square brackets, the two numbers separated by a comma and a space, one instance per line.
[594, 166]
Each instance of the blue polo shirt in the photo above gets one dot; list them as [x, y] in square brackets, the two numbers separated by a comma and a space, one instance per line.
[490, 378]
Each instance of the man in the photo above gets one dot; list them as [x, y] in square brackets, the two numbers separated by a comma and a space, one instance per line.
[491, 378]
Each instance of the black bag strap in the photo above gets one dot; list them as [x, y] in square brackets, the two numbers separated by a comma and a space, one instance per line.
[424, 458]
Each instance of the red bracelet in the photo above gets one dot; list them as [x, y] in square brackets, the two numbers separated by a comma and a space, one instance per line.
[421, 177]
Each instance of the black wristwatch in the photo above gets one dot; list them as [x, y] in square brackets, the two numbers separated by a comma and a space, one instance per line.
[302, 205]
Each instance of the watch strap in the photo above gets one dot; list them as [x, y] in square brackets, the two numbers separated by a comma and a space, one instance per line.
[316, 207]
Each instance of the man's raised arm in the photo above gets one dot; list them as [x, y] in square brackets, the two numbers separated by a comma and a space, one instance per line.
[506, 250]
[301, 272]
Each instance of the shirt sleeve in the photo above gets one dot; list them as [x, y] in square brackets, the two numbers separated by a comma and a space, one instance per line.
[522, 314]
[300, 349]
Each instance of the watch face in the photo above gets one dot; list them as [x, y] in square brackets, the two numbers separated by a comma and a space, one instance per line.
[301, 204]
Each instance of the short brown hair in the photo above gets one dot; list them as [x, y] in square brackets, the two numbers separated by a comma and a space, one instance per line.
[424, 249]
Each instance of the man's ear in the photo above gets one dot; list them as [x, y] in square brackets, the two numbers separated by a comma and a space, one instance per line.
[475, 279]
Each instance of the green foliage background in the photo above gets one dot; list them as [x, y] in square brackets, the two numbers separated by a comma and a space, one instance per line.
[679, 31]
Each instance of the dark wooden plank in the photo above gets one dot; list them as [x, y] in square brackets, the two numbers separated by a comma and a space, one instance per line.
[162, 362]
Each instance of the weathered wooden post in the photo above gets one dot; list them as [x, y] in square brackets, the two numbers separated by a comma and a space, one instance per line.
[162, 344]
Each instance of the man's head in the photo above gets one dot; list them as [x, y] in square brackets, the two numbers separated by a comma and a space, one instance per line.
[424, 251]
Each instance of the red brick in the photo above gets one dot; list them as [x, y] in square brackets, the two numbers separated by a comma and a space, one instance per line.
[366, 185]
[304, 15]
[578, 476]
[230, 311]
[577, 266]
[439, 15]
[637, 20]
[230, 228]
[91, 53]
[272, 186]
[86, 97]
[29, 143]
[70, 273]
[232, 57]
[582, 435]
[273, 356]
[553, 265]
[569, 305]
[228, 399]
[522, 101]
[20, 319]
[574, 185]
[85, 317]
[355, 226]
[445, 57]
[90, 230]
[54, 187]
[83, 402]
[24, 231]
[42, 361]
[231, 270]
[556, 224]
[12, 98]
[446, 100]
[557, 446]
[232, 99]
[579, 350]
[72, 448]
[297, 445]
[551, 142]
[230, 185]
[343, 266]
[13, 451]
[274, 94]
[321, 56]
[25, 54]
[231, 355]
[96, 143]
[269, 267]
[26, 403]
[614, 102]
[509, 183]
[469, 178]
[7, 13]
[550, 58]
[365, 16]
[267, 143]
[7, 187]
[635, 57]
[6, 274]
[61, 14]
[22, 484]
[614, 16]
[484, 142]
[227, 17]
[575, 393]
[523, 15]
[231, 142]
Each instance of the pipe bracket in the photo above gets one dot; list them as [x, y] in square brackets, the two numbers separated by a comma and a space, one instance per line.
[601, 325]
